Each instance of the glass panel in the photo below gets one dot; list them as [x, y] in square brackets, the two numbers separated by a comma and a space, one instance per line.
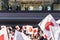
[56, 7]
[29, 5]
[0, 5]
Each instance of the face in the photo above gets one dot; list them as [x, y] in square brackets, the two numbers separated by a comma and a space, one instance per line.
[12, 33]
[41, 33]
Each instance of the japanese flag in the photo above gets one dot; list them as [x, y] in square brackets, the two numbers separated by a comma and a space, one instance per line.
[3, 26]
[45, 36]
[35, 30]
[46, 22]
[11, 37]
[20, 36]
[29, 29]
[3, 34]
[2, 37]
[24, 27]
[17, 27]
[25, 37]
[55, 33]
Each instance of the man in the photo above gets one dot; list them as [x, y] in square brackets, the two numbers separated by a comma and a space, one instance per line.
[41, 35]
[40, 8]
[31, 8]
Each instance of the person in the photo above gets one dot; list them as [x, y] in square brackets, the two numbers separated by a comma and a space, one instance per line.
[26, 8]
[40, 8]
[41, 35]
[31, 8]
[31, 36]
[9, 8]
[34, 38]
[18, 8]
[48, 8]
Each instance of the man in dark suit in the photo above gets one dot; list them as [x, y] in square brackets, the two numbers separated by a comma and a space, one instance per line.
[41, 35]
[18, 8]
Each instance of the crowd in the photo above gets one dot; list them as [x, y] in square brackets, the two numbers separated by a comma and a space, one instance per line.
[28, 8]
[11, 31]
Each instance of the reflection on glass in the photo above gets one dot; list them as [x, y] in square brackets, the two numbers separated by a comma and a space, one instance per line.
[56, 7]
[29, 5]
[40, 8]
[9, 8]
[31, 8]
[0, 5]
[49, 8]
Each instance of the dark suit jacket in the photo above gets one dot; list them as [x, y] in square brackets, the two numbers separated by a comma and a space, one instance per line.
[41, 38]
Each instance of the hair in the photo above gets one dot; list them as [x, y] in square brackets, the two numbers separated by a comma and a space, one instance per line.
[24, 32]
[10, 29]
[45, 39]
[13, 30]
[35, 37]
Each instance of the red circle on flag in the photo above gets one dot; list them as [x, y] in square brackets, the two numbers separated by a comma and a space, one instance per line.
[30, 29]
[12, 38]
[16, 28]
[24, 27]
[34, 31]
[47, 25]
[45, 36]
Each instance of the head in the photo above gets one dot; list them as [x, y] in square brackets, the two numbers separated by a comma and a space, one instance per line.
[41, 32]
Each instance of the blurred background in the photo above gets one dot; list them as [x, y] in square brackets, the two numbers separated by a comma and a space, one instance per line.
[34, 5]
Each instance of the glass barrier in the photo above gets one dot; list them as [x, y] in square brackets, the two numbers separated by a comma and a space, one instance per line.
[29, 5]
